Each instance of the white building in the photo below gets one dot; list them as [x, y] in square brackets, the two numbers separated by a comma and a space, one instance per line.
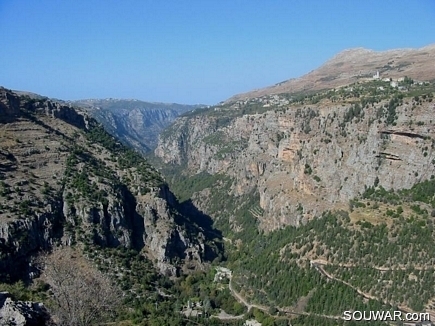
[222, 273]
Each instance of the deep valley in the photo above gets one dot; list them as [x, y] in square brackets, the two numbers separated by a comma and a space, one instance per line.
[288, 205]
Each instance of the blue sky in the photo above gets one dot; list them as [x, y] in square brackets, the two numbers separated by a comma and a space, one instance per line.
[191, 51]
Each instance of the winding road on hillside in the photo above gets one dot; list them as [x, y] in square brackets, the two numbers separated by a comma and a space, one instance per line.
[319, 266]
[265, 309]
[243, 301]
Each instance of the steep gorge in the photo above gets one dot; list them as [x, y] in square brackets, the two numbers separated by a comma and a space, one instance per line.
[136, 123]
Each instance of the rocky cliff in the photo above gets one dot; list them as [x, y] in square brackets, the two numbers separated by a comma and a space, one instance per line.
[305, 154]
[22, 313]
[64, 180]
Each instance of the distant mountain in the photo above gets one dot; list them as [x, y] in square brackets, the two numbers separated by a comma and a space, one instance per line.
[353, 65]
[136, 123]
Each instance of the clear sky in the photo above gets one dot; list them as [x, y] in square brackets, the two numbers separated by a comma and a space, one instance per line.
[192, 51]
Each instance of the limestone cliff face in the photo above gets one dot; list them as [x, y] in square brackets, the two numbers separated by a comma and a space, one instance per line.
[64, 180]
[9, 105]
[303, 159]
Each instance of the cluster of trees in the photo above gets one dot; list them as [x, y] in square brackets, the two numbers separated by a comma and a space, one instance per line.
[391, 115]
[126, 158]
[185, 187]
[201, 287]
[333, 298]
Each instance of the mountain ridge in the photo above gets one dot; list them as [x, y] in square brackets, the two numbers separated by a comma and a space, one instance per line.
[340, 70]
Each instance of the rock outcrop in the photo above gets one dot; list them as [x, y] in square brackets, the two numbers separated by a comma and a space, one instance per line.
[22, 313]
